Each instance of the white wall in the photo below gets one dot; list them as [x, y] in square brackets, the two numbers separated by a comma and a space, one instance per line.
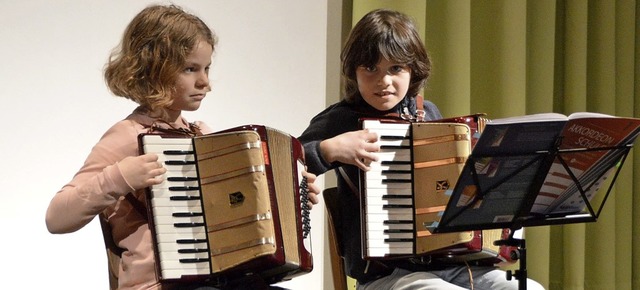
[269, 69]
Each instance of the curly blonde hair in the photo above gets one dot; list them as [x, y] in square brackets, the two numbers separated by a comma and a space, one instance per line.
[389, 34]
[153, 50]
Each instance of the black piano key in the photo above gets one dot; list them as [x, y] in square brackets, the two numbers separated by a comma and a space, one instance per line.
[185, 197]
[191, 241]
[396, 180]
[186, 214]
[395, 171]
[392, 137]
[396, 196]
[390, 206]
[395, 146]
[194, 260]
[398, 240]
[177, 152]
[188, 225]
[398, 231]
[183, 188]
[393, 162]
[179, 162]
[182, 178]
[397, 222]
[193, 251]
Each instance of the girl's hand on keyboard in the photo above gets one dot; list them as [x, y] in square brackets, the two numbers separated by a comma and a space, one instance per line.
[141, 171]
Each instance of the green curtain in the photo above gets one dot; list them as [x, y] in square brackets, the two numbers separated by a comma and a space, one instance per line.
[516, 57]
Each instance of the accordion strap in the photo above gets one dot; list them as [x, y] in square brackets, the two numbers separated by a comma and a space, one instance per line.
[194, 130]
[137, 205]
[349, 182]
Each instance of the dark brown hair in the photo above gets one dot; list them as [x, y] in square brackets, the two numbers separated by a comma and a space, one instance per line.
[389, 34]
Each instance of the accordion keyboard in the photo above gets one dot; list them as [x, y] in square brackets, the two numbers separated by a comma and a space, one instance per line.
[178, 222]
[388, 209]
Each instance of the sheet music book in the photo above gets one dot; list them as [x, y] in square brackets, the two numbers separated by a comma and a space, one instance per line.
[526, 167]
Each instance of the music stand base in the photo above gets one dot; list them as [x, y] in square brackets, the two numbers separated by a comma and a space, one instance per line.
[520, 254]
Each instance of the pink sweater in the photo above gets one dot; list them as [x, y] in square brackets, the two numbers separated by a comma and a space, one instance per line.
[99, 188]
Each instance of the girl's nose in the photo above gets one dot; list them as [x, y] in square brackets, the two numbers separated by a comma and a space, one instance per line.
[203, 80]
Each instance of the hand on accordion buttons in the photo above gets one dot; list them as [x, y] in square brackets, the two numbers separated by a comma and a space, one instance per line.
[313, 189]
[353, 148]
[141, 171]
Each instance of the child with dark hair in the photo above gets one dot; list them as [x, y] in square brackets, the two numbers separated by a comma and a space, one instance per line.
[384, 66]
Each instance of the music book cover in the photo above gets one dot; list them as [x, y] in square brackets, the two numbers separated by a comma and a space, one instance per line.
[516, 169]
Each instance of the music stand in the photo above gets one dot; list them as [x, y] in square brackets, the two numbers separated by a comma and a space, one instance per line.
[507, 197]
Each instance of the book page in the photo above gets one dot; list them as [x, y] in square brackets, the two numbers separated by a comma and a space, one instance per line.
[542, 117]
[581, 115]
[591, 162]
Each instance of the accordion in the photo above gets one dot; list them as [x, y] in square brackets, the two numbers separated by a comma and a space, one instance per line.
[408, 188]
[233, 203]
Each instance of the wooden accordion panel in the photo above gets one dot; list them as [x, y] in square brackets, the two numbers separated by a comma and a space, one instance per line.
[409, 188]
[246, 209]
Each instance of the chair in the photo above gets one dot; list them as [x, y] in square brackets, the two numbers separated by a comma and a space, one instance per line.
[330, 196]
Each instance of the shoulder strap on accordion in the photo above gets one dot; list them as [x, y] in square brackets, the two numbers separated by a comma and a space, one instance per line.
[407, 115]
[194, 130]
[349, 182]
[137, 205]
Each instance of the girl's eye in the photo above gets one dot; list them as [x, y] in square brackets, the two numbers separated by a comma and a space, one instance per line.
[190, 69]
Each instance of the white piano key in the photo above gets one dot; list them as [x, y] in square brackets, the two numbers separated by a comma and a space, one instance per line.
[175, 256]
[185, 267]
[373, 123]
[380, 235]
[165, 201]
[170, 220]
[167, 194]
[387, 226]
[170, 229]
[406, 191]
[381, 244]
[175, 208]
[382, 252]
[373, 175]
[176, 274]
[386, 216]
[376, 200]
[157, 139]
[393, 156]
[377, 183]
[379, 167]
